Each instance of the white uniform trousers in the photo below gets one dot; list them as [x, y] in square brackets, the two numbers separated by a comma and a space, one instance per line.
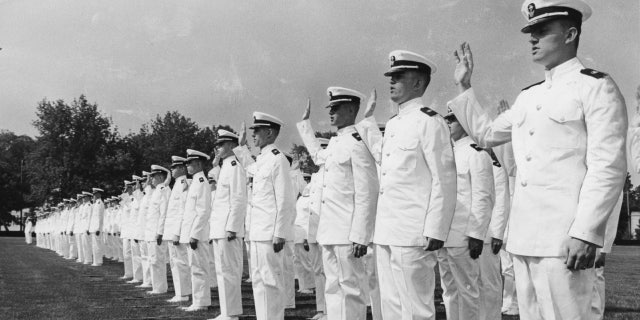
[73, 249]
[267, 273]
[343, 292]
[119, 249]
[28, 238]
[490, 284]
[213, 279]
[548, 290]
[96, 246]
[64, 245]
[200, 268]
[407, 282]
[598, 299]
[180, 271]
[158, 265]
[78, 237]
[315, 255]
[289, 276]
[509, 296]
[460, 277]
[136, 260]
[144, 260]
[86, 247]
[247, 248]
[126, 254]
[228, 259]
[372, 289]
[303, 268]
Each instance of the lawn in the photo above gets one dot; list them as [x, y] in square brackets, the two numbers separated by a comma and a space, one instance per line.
[38, 284]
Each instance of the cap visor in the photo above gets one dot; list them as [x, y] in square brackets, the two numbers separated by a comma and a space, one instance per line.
[530, 25]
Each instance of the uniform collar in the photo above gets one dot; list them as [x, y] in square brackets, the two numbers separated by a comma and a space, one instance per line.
[268, 148]
[228, 159]
[463, 141]
[198, 174]
[408, 106]
[561, 71]
[347, 129]
[180, 178]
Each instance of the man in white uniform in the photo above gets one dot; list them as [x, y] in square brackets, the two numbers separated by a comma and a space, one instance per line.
[178, 256]
[154, 228]
[417, 191]
[272, 215]
[347, 208]
[73, 245]
[77, 227]
[568, 135]
[85, 210]
[194, 230]
[125, 211]
[459, 269]
[227, 225]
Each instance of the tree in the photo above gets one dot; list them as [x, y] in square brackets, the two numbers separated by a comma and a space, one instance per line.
[301, 153]
[70, 150]
[13, 187]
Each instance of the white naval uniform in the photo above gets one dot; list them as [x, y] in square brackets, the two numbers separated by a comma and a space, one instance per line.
[315, 251]
[136, 254]
[302, 259]
[77, 232]
[272, 214]
[347, 216]
[178, 256]
[140, 236]
[213, 276]
[127, 257]
[459, 273]
[416, 201]
[117, 236]
[154, 226]
[195, 224]
[73, 246]
[96, 223]
[228, 213]
[490, 273]
[86, 238]
[634, 142]
[28, 228]
[598, 299]
[568, 136]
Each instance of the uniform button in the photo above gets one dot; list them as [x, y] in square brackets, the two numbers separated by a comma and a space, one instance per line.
[538, 107]
[392, 135]
[388, 154]
[528, 157]
[381, 192]
[322, 201]
[325, 185]
[384, 173]
[561, 118]
[531, 132]
[523, 183]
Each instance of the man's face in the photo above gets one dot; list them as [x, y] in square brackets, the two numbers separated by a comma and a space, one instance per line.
[402, 86]
[548, 42]
[212, 184]
[177, 171]
[455, 128]
[191, 167]
[261, 136]
[156, 179]
[224, 149]
[341, 115]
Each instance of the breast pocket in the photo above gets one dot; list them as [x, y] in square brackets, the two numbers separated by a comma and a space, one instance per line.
[407, 154]
[565, 125]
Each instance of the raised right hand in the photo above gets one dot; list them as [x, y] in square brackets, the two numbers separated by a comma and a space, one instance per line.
[242, 140]
[307, 111]
[464, 67]
[371, 104]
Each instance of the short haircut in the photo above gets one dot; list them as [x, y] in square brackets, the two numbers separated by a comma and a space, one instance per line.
[572, 23]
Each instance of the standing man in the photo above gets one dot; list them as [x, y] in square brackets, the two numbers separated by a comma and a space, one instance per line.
[85, 210]
[568, 135]
[178, 256]
[347, 208]
[227, 225]
[417, 190]
[272, 214]
[136, 255]
[154, 228]
[194, 230]
[125, 212]
[457, 260]
[77, 227]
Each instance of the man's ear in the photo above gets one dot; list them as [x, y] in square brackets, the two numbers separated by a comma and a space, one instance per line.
[571, 35]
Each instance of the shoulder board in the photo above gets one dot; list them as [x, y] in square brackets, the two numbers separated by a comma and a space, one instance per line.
[593, 73]
[275, 151]
[533, 85]
[201, 179]
[428, 111]
[357, 136]
[233, 163]
[475, 146]
[183, 181]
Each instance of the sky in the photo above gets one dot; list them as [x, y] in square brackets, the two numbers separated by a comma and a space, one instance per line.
[218, 61]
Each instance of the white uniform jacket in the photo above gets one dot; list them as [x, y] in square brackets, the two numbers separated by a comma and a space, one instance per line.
[197, 210]
[136, 211]
[86, 216]
[349, 188]
[568, 136]
[417, 176]
[175, 209]
[315, 198]
[230, 201]
[71, 219]
[272, 202]
[77, 219]
[501, 204]
[142, 213]
[634, 143]
[474, 196]
[157, 213]
[302, 216]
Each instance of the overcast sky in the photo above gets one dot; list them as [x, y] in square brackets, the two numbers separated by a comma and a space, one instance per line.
[218, 61]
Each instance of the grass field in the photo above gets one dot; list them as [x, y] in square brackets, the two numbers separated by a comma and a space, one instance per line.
[38, 284]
